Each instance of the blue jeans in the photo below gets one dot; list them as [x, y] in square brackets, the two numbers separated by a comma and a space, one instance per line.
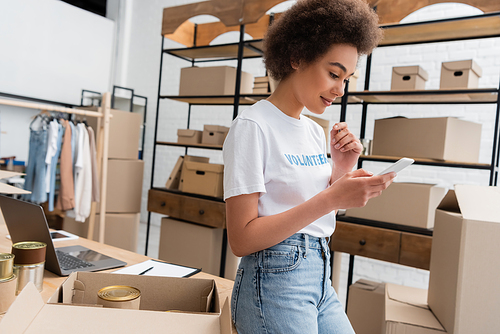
[35, 171]
[54, 167]
[287, 289]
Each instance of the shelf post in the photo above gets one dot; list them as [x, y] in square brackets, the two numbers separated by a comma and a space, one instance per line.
[238, 72]
[496, 148]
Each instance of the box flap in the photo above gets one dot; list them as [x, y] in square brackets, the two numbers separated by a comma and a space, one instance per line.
[24, 309]
[186, 132]
[366, 285]
[463, 65]
[479, 202]
[408, 305]
[409, 70]
[225, 318]
[215, 128]
[202, 166]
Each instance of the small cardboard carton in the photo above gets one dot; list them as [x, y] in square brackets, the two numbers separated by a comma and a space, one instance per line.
[353, 81]
[408, 78]
[175, 176]
[121, 229]
[214, 134]
[194, 245]
[188, 136]
[463, 74]
[202, 178]
[124, 186]
[406, 312]
[193, 304]
[365, 307]
[464, 293]
[441, 138]
[213, 80]
[412, 204]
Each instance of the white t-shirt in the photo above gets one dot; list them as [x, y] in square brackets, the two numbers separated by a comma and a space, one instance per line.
[280, 157]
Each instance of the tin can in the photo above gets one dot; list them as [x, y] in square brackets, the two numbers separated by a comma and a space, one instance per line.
[7, 292]
[6, 265]
[29, 263]
[119, 296]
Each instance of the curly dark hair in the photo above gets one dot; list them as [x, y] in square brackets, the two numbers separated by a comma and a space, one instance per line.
[309, 28]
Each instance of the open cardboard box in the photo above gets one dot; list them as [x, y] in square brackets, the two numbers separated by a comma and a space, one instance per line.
[464, 293]
[406, 312]
[366, 306]
[72, 308]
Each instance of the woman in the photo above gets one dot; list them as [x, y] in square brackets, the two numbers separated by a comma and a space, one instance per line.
[281, 192]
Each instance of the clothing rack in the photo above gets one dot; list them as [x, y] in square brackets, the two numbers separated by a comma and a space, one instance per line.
[102, 139]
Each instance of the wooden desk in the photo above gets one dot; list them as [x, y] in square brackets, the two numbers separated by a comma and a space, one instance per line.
[52, 281]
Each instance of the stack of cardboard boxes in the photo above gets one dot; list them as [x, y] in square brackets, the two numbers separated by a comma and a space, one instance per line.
[463, 289]
[124, 185]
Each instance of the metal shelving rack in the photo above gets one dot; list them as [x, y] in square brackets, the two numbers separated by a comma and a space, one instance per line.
[464, 28]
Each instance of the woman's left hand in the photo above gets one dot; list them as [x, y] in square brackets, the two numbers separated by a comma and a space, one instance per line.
[345, 148]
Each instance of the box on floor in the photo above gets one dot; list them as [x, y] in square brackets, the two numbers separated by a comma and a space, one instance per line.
[195, 246]
[124, 186]
[124, 133]
[202, 178]
[464, 293]
[196, 300]
[442, 138]
[365, 307]
[406, 312]
[121, 229]
[213, 80]
[412, 204]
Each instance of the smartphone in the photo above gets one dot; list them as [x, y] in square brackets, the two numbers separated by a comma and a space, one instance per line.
[397, 166]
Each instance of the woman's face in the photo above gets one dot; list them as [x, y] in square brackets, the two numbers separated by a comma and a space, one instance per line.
[318, 84]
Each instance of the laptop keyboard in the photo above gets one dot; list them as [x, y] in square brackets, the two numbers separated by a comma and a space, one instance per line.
[68, 262]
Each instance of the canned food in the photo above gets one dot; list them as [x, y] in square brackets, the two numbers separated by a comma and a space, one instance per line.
[6, 265]
[119, 296]
[29, 263]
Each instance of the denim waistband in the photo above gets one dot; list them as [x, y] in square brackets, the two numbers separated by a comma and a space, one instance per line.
[306, 241]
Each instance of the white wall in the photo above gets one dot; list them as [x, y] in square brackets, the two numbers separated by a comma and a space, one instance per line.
[51, 51]
[143, 72]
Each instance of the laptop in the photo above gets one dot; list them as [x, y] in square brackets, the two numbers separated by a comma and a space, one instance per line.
[26, 222]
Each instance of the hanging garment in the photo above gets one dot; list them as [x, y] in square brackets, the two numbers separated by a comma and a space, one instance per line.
[93, 161]
[36, 169]
[83, 180]
[53, 166]
[51, 151]
[66, 197]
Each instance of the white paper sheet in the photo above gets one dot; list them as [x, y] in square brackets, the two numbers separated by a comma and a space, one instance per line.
[158, 268]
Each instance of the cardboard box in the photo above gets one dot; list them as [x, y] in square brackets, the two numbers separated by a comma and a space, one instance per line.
[365, 307]
[196, 301]
[460, 74]
[175, 176]
[202, 178]
[195, 246]
[124, 186]
[441, 138]
[122, 229]
[213, 80]
[214, 134]
[408, 78]
[325, 124]
[464, 293]
[124, 134]
[187, 136]
[412, 204]
[406, 312]
[353, 81]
